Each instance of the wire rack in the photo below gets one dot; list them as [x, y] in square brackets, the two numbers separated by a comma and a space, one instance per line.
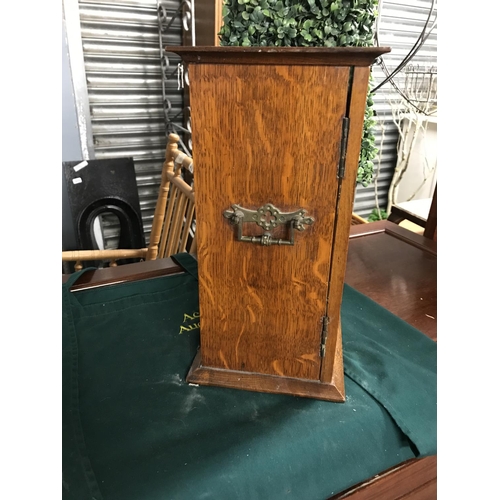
[421, 87]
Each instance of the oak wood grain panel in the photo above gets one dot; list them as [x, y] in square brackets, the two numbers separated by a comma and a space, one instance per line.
[356, 112]
[276, 142]
[199, 374]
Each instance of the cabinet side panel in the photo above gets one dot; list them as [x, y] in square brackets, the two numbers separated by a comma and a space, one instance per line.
[265, 134]
[347, 186]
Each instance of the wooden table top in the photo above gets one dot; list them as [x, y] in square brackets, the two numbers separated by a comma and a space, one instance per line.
[394, 267]
[397, 269]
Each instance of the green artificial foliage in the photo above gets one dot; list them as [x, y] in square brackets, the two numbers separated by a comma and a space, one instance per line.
[368, 150]
[375, 215]
[307, 23]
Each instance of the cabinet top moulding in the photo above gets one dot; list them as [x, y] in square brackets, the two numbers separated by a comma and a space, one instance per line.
[304, 56]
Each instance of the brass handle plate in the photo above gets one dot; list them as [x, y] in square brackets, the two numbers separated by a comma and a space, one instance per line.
[267, 217]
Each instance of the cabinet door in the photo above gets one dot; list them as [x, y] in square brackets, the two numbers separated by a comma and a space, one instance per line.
[265, 135]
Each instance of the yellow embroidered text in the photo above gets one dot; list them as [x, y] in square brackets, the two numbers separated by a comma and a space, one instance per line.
[193, 322]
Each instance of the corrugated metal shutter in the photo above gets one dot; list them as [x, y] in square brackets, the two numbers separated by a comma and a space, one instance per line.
[400, 25]
[124, 79]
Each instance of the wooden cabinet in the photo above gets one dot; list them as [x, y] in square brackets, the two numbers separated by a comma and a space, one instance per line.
[276, 140]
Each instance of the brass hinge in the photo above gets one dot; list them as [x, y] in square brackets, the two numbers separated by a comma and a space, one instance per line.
[324, 334]
[343, 148]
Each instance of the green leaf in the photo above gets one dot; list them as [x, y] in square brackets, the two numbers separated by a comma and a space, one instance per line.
[318, 33]
[307, 24]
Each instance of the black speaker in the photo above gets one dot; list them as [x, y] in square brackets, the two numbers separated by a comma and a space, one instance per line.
[98, 187]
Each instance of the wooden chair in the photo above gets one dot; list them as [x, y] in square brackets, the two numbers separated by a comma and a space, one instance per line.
[356, 219]
[425, 216]
[172, 221]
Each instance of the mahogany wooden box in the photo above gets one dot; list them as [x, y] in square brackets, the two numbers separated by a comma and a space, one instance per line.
[276, 141]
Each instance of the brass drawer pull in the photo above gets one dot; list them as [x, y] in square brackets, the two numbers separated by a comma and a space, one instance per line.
[267, 217]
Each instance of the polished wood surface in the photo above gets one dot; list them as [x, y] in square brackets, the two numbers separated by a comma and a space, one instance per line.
[394, 267]
[397, 269]
[305, 56]
[415, 480]
[246, 138]
[332, 366]
[94, 278]
[277, 384]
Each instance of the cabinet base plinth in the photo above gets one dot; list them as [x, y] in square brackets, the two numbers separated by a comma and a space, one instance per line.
[259, 382]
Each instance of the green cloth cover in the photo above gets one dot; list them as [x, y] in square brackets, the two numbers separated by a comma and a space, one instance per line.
[133, 429]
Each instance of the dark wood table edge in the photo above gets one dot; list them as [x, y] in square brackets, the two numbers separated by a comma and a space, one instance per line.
[403, 472]
[392, 229]
[124, 274]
